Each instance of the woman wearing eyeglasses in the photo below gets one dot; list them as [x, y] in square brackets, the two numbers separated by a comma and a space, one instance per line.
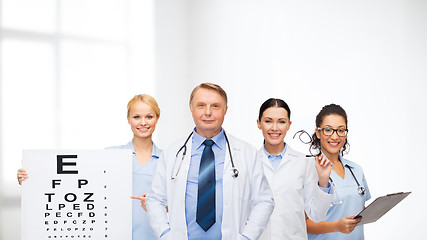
[298, 183]
[351, 189]
[142, 115]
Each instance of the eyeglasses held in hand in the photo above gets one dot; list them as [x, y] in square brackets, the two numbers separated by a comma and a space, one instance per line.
[305, 138]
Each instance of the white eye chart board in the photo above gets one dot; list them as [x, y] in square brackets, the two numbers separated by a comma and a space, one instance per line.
[77, 194]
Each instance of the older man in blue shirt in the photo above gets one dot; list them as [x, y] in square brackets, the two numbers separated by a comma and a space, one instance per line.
[228, 205]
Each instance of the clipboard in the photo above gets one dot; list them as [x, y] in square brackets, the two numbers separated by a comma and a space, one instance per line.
[380, 206]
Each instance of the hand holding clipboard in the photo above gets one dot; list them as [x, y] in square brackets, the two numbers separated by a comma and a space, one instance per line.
[380, 206]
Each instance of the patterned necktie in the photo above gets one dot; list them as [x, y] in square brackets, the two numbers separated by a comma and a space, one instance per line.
[205, 215]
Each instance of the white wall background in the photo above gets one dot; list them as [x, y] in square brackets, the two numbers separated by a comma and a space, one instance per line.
[368, 56]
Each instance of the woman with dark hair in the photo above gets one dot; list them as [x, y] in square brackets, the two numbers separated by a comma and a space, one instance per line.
[347, 178]
[298, 183]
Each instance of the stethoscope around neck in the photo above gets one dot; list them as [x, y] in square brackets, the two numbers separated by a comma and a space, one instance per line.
[234, 171]
[360, 189]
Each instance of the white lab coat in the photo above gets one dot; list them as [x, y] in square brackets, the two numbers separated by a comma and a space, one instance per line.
[295, 189]
[247, 200]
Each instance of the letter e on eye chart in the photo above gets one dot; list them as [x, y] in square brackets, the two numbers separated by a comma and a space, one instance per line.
[77, 194]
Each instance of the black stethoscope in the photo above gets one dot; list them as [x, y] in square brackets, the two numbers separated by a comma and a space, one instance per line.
[360, 189]
[234, 171]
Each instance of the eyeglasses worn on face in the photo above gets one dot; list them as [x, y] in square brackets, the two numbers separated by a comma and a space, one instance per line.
[330, 131]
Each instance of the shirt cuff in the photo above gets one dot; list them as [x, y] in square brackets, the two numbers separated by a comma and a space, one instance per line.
[327, 190]
[166, 231]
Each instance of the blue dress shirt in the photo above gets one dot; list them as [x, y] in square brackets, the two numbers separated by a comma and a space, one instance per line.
[195, 232]
[275, 159]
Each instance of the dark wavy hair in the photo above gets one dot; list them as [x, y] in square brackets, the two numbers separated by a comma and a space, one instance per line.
[326, 111]
[273, 102]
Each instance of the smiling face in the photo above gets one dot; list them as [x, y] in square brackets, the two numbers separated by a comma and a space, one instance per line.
[331, 145]
[142, 119]
[208, 108]
[274, 125]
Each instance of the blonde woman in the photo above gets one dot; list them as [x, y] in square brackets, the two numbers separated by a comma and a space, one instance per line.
[143, 113]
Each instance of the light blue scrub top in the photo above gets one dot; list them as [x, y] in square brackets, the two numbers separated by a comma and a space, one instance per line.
[352, 202]
[141, 182]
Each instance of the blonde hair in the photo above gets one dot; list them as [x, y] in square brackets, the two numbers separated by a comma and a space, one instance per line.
[210, 86]
[145, 98]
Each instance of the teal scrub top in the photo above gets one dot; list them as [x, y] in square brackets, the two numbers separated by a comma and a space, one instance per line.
[141, 181]
[352, 202]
